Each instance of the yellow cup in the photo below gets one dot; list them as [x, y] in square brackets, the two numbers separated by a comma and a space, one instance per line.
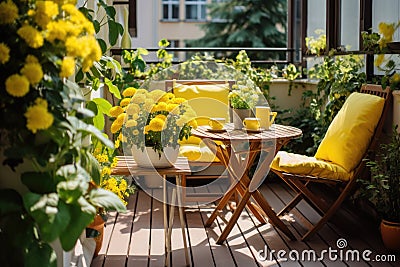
[216, 123]
[251, 123]
[266, 116]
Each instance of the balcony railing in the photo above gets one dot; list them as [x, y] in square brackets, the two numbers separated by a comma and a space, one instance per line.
[258, 56]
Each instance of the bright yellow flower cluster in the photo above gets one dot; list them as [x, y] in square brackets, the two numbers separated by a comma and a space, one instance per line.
[38, 117]
[8, 12]
[117, 187]
[143, 113]
[4, 53]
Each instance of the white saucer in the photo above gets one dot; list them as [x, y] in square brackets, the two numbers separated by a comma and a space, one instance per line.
[211, 130]
[259, 130]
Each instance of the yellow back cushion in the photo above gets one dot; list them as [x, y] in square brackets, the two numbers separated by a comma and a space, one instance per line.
[350, 132]
[207, 100]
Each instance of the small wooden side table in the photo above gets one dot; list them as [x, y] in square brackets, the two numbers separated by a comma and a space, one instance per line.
[127, 166]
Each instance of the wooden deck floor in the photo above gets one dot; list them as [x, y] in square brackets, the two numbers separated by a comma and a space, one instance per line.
[136, 238]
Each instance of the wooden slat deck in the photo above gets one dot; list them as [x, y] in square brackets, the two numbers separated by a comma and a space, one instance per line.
[136, 238]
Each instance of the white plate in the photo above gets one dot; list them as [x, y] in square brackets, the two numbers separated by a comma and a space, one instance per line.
[259, 130]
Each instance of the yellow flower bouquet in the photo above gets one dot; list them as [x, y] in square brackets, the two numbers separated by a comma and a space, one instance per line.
[152, 119]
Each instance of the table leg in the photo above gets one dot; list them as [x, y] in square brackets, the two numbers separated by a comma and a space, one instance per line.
[165, 221]
[181, 217]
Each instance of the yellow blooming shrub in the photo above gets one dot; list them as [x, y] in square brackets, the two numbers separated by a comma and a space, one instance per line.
[106, 157]
[154, 119]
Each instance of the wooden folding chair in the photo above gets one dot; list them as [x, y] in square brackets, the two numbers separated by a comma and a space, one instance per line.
[300, 182]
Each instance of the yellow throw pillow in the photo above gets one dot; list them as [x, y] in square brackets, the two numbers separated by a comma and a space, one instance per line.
[304, 165]
[207, 100]
[200, 153]
[350, 132]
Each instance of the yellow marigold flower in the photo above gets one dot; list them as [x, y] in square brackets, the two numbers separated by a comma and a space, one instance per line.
[121, 118]
[157, 94]
[395, 78]
[106, 171]
[172, 107]
[17, 85]
[160, 106]
[67, 67]
[31, 59]
[156, 124]
[130, 123]
[33, 72]
[115, 159]
[117, 144]
[116, 126]
[178, 100]
[8, 12]
[138, 98]
[148, 104]
[31, 36]
[387, 30]
[37, 116]
[161, 116]
[4, 53]
[128, 92]
[115, 111]
[102, 158]
[124, 102]
[132, 109]
[379, 60]
[166, 97]
[56, 30]
[45, 11]
[121, 137]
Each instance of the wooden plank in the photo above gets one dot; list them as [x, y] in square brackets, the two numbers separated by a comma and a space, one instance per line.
[108, 231]
[138, 254]
[157, 242]
[120, 240]
[298, 246]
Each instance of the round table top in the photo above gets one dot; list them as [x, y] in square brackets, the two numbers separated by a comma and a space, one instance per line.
[275, 132]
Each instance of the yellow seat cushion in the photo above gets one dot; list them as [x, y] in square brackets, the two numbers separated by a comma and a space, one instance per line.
[207, 100]
[350, 132]
[304, 165]
[194, 140]
[200, 153]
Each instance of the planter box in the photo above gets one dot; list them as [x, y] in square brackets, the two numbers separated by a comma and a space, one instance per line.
[279, 89]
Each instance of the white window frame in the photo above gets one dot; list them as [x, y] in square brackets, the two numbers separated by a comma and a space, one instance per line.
[199, 4]
[170, 4]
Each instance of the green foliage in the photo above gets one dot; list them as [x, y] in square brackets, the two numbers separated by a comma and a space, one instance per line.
[383, 190]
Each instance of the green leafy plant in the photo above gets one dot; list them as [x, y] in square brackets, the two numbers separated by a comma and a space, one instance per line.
[243, 97]
[383, 190]
[44, 125]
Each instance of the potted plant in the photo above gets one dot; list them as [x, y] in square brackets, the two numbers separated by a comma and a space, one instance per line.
[242, 100]
[150, 124]
[383, 190]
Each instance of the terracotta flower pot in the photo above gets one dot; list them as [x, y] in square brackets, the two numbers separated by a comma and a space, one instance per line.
[98, 225]
[390, 232]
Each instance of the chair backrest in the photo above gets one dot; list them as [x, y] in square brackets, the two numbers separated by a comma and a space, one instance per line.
[208, 98]
[356, 129]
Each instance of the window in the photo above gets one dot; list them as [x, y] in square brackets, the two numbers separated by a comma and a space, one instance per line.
[174, 43]
[195, 9]
[170, 9]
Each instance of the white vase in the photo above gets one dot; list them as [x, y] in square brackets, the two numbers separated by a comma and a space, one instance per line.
[149, 158]
[238, 116]
[126, 41]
